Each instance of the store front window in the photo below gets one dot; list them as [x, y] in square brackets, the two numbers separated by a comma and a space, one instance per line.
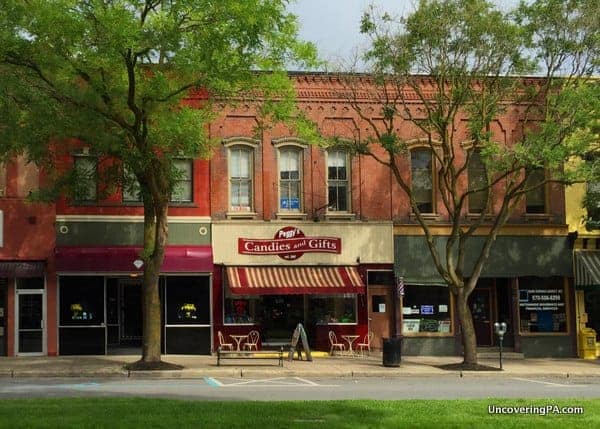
[241, 309]
[188, 301]
[426, 309]
[542, 305]
[333, 309]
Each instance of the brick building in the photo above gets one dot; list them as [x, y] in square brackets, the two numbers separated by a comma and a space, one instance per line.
[273, 231]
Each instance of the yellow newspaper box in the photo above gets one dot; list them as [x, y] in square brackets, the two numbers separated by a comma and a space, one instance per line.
[587, 343]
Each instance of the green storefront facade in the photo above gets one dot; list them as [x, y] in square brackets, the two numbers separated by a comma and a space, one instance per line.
[526, 283]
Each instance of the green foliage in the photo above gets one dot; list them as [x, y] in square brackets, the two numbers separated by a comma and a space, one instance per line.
[117, 75]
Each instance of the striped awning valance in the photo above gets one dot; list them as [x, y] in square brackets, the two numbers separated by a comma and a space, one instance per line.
[587, 268]
[294, 280]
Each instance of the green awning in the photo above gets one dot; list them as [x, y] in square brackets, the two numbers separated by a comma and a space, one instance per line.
[510, 256]
[587, 268]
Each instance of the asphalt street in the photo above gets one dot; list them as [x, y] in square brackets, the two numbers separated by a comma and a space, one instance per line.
[299, 388]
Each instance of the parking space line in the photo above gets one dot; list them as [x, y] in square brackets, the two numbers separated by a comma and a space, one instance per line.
[545, 382]
[212, 382]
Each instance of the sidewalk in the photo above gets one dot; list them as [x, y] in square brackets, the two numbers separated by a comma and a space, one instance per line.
[206, 366]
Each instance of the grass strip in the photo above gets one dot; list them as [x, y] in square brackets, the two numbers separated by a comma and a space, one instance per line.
[163, 413]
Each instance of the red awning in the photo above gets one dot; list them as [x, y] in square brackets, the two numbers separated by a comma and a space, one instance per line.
[192, 259]
[22, 269]
[294, 280]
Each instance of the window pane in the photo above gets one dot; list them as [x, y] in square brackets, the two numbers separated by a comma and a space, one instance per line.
[290, 183]
[182, 188]
[477, 179]
[422, 181]
[542, 304]
[85, 189]
[184, 167]
[131, 187]
[326, 309]
[426, 309]
[536, 198]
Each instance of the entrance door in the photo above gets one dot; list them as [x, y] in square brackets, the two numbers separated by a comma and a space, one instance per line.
[480, 305]
[30, 322]
[131, 329]
[381, 311]
[282, 313]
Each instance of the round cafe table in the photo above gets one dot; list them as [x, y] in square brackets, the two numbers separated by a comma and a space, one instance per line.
[238, 339]
[350, 339]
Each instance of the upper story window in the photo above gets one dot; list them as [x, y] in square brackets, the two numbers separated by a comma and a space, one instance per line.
[477, 180]
[86, 169]
[240, 179]
[592, 205]
[131, 188]
[338, 181]
[422, 180]
[290, 179]
[535, 199]
[183, 185]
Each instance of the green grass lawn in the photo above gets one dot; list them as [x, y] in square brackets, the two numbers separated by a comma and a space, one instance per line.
[158, 413]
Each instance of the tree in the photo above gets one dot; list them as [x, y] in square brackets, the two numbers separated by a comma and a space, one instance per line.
[443, 76]
[114, 75]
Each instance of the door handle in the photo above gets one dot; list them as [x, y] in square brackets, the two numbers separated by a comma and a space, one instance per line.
[41, 324]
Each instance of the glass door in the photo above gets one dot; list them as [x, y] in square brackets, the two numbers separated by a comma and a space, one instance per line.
[30, 322]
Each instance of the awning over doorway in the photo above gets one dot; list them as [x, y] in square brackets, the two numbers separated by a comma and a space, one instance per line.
[192, 259]
[587, 268]
[294, 280]
[22, 269]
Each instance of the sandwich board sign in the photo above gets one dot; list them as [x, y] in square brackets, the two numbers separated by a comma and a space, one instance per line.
[299, 334]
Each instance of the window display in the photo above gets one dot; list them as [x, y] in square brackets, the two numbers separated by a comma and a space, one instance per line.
[188, 300]
[426, 309]
[241, 309]
[542, 305]
[333, 309]
[81, 300]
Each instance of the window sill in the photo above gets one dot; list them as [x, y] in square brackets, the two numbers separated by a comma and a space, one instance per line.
[432, 217]
[537, 217]
[241, 215]
[291, 216]
[182, 204]
[474, 216]
[340, 216]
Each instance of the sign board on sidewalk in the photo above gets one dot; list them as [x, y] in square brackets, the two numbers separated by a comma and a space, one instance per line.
[299, 333]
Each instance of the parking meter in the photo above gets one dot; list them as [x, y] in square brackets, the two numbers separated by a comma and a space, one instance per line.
[500, 328]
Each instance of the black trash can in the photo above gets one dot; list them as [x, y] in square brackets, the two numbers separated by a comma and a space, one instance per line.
[392, 350]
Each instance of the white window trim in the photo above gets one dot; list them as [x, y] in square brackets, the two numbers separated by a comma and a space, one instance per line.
[251, 145]
[298, 147]
[348, 160]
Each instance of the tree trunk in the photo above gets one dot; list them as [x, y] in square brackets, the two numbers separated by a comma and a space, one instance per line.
[155, 238]
[465, 320]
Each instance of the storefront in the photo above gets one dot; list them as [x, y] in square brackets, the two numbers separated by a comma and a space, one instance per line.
[100, 285]
[275, 275]
[23, 308]
[525, 284]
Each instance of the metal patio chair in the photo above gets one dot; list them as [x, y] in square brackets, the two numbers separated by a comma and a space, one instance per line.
[335, 344]
[252, 341]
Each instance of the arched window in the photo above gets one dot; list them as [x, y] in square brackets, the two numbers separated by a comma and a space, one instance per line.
[422, 180]
[290, 179]
[477, 180]
[338, 181]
